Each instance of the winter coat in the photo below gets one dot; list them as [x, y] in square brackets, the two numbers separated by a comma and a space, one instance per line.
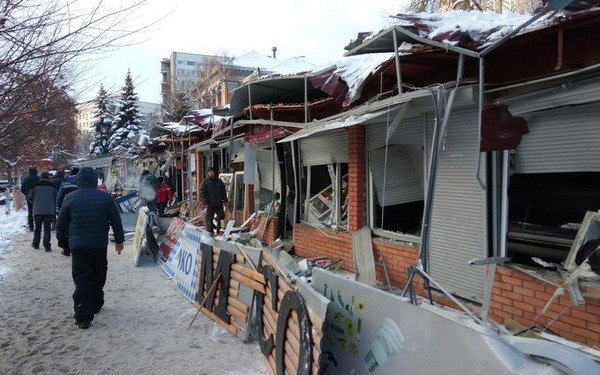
[28, 181]
[69, 185]
[164, 193]
[58, 179]
[43, 195]
[213, 192]
[86, 215]
[148, 188]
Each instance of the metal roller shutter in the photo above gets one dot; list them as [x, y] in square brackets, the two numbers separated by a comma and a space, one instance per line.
[458, 226]
[265, 170]
[325, 149]
[404, 177]
[565, 139]
[409, 132]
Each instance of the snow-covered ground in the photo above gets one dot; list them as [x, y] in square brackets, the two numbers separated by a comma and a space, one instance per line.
[10, 225]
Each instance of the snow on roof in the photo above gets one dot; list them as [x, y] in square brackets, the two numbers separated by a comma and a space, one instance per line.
[466, 27]
[293, 65]
[254, 59]
[354, 70]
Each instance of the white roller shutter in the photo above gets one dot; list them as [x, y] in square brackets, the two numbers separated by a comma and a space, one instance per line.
[409, 132]
[566, 139]
[403, 177]
[325, 149]
[458, 227]
[265, 170]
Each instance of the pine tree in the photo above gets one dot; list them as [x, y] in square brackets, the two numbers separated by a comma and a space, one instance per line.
[127, 123]
[102, 125]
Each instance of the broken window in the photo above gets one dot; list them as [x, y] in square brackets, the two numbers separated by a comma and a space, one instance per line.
[325, 158]
[396, 175]
[546, 211]
[555, 181]
[328, 195]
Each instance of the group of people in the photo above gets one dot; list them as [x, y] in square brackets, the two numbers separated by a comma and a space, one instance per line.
[85, 213]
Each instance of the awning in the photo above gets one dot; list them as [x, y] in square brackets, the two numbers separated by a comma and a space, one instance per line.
[359, 115]
[384, 42]
[288, 89]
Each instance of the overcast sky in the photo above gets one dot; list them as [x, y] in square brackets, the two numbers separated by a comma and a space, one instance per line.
[316, 29]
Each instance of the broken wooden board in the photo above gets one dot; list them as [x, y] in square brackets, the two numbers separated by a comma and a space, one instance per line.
[362, 256]
[228, 304]
[291, 323]
[140, 233]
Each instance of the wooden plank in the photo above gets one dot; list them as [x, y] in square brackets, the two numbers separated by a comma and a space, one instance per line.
[237, 314]
[239, 305]
[247, 281]
[290, 351]
[362, 256]
[230, 328]
[315, 320]
[289, 364]
[270, 364]
[257, 276]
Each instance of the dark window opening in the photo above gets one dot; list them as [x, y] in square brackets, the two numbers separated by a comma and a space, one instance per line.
[546, 211]
[405, 217]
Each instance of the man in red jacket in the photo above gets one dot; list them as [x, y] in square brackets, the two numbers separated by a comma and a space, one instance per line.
[164, 195]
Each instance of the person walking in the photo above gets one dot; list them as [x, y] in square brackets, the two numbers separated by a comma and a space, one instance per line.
[57, 180]
[68, 185]
[43, 196]
[214, 197]
[83, 223]
[164, 195]
[25, 188]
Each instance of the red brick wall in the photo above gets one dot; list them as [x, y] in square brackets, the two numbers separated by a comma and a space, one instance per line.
[249, 201]
[270, 233]
[521, 297]
[356, 178]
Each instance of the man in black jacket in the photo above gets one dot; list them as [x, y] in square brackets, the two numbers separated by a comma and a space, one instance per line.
[43, 196]
[26, 185]
[213, 197]
[57, 181]
[83, 223]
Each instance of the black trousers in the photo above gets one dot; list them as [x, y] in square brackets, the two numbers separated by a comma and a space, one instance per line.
[30, 214]
[210, 216]
[88, 267]
[46, 221]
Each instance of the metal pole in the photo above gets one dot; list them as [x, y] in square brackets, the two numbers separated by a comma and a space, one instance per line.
[296, 190]
[250, 99]
[273, 157]
[308, 176]
[397, 60]
[504, 206]
[479, 123]
[305, 100]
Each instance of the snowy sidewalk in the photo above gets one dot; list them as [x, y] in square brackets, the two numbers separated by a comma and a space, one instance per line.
[142, 328]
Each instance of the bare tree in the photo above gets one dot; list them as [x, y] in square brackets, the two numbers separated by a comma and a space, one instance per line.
[211, 78]
[519, 6]
[40, 42]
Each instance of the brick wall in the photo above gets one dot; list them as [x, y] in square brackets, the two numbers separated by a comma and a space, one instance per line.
[270, 232]
[521, 297]
[356, 178]
[249, 201]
